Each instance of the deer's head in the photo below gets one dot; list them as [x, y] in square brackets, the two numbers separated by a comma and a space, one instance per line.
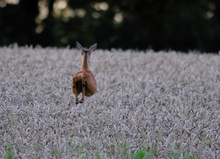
[86, 53]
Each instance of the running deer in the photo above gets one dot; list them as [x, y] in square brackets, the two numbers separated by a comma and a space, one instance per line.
[84, 81]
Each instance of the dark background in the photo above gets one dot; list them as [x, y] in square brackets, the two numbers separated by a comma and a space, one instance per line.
[128, 24]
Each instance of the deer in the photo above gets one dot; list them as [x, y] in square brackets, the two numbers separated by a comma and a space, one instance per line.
[83, 81]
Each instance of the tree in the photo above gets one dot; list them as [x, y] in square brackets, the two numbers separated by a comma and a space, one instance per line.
[157, 24]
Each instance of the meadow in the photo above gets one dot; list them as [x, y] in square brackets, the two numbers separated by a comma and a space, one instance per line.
[150, 105]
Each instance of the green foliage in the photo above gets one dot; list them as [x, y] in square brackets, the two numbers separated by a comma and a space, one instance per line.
[153, 150]
[97, 155]
[187, 155]
[140, 154]
[57, 153]
[174, 155]
[123, 152]
[179, 25]
[80, 151]
[9, 153]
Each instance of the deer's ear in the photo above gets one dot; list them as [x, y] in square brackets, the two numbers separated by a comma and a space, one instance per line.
[79, 46]
[93, 48]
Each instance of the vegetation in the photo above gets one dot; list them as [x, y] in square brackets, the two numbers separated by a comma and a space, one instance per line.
[8, 152]
[148, 105]
[127, 24]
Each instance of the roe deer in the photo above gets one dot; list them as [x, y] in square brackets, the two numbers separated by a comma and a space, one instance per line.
[84, 81]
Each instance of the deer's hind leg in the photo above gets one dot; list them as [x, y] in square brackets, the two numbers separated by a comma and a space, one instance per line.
[77, 99]
[83, 89]
[74, 89]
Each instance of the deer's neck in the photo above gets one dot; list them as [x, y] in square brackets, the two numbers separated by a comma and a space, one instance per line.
[85, 63]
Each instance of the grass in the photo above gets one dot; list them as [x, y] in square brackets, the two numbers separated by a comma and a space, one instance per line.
[148, 105]
[8, 152]
[123, 152]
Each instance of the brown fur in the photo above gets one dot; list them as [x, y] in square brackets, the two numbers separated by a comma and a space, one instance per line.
[84, 81]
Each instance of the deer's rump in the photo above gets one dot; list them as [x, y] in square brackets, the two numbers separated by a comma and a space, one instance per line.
[90, 84]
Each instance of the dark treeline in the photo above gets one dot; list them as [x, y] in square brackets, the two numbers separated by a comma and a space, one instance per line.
[128, 24]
